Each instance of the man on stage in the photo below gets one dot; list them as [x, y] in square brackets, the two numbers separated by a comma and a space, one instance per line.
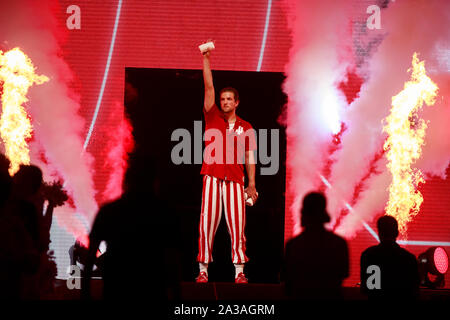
[223, 173]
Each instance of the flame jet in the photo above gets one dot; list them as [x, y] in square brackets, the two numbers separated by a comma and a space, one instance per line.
[17, 75]
[406, 133]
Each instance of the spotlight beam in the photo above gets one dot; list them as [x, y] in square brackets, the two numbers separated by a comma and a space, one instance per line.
[105, 76]
[100, 96]
[266, 27]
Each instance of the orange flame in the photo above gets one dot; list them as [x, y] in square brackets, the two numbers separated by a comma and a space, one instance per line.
[406, 133]
[17, 74]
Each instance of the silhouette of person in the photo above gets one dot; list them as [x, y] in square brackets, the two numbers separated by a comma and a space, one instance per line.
[398, 269]
[20, 235]
[17, 251]
[138, 235]
[317, 260]
[26, 204]
[26, 184]
[78, 256]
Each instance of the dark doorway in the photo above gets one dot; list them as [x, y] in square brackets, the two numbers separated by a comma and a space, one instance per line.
[160, 101]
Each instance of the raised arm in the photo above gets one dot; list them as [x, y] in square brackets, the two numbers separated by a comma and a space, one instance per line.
[208, 81]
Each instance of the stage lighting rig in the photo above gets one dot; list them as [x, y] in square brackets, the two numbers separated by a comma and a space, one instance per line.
[433, 262]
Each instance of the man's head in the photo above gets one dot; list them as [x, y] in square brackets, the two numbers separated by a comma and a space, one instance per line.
[314, 210]
[387, 229]
[229, 99]
[28, 180]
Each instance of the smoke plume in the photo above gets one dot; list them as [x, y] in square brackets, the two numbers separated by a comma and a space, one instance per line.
[58, 128]
[120, 145]
[318, 62]
[408, 30]
[358, 174]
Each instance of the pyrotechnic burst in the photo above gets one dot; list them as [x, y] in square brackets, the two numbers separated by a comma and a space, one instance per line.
[406, 133]
[17, 76]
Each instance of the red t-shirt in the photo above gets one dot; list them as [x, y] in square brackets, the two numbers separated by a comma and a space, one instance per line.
[224, 154]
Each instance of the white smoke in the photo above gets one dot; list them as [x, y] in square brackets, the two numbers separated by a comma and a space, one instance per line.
[58, 127]
[410, 27]
[318, 63]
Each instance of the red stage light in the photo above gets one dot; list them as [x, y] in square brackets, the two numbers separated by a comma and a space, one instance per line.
[440, 260]
[434, 262]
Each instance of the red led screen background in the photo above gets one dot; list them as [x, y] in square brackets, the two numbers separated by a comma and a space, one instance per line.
[165, 34]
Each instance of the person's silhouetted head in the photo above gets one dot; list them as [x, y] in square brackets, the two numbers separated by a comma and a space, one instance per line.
[314, 210]
[5, 179]
[4, 163]
[387, 229]
[28, 180]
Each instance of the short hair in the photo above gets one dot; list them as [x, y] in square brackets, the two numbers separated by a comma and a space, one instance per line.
[387, 227]
[28, 176]
[231, 89]
[314, 209]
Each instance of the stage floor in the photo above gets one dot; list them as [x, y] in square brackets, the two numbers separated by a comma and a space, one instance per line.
[223, 291]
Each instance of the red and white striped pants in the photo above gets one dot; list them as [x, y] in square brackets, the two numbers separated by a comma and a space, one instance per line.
[232, 193]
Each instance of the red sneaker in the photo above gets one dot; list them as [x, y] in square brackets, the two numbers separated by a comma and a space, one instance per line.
[202, 277]
[241, 278]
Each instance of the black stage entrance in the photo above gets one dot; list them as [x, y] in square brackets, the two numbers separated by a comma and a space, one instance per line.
[160, 101]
